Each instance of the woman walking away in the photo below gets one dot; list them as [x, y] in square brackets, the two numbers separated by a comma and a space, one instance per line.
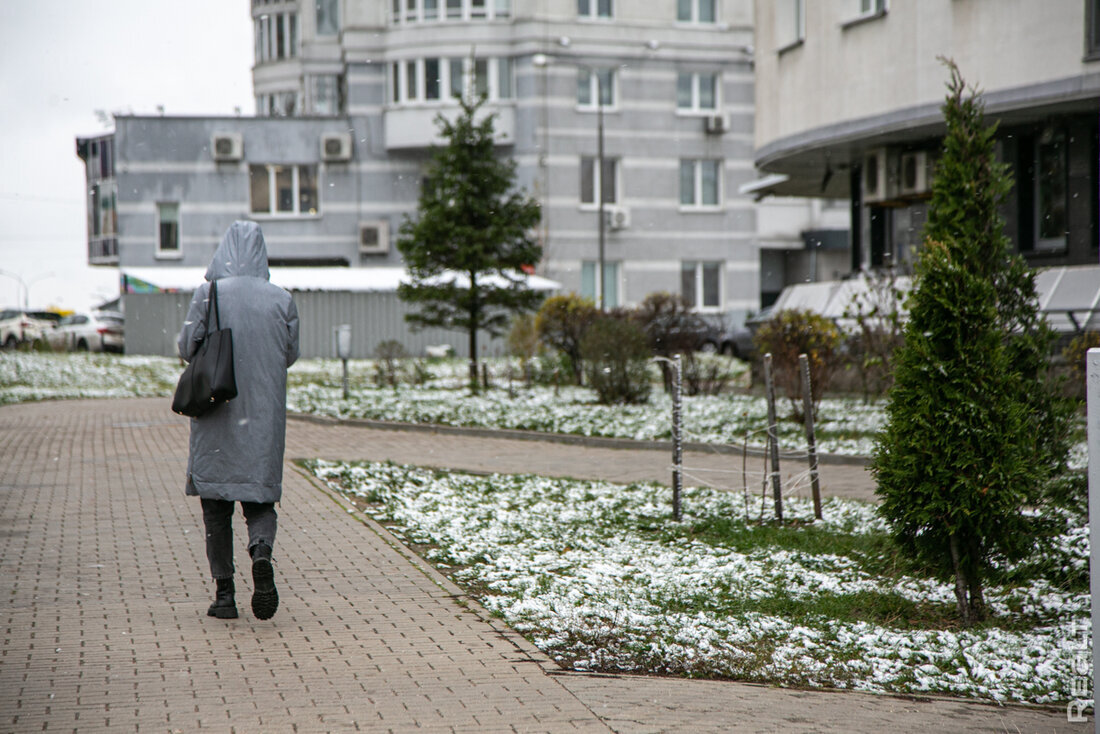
[237, 448]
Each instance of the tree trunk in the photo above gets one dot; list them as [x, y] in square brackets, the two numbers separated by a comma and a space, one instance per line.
[977, 598]
[961, 583]
[474, 321]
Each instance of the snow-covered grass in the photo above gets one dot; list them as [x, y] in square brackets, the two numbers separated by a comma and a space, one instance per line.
[600, 577]
[27, 376]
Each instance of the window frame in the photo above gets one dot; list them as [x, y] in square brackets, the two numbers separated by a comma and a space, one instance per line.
[1092, 30]
[874, 10]
[407, 12]
[322, 82]
[696, 109]
[275, 32]
[495, 66]
[594, 88]
[695, 14]
[613, 274]
[597, 182]
[1050, 245]
[593, 11]
[697, 204]
[793, 37]
[332, 5]
[295, 212]
[163, 253]
[697, 303]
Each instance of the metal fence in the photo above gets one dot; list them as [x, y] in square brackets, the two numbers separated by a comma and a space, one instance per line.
[153, 320]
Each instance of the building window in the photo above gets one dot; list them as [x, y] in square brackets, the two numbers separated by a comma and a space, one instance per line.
[595, 84]
[695, 11]
[865, 10]
[701, 284]
[610, 285]
[326, 95]
[328, 18]
[505, 87]
[1051, 200]
[700, 183]
[168, 229]
[1092, 29]
[283, 189]
[872, 7]
[104, 211]
[418, 11]
[456, 76]
[423, 80]
[594, 9]
[696, 92]
[276, 37]
[594, 179]
[790, 23]
[433, 79]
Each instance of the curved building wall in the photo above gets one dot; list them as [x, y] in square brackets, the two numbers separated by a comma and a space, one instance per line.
[844, 70]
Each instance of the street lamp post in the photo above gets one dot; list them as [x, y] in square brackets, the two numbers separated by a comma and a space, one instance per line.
[23, 285]
[542, 60]
[599, 188]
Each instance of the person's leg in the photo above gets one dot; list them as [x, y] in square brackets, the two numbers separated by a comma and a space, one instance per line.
[262, 523]
[217, 516]
[262, 520]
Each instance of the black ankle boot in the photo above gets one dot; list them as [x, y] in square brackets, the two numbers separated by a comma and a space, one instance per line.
[265, 598]
[224, 606]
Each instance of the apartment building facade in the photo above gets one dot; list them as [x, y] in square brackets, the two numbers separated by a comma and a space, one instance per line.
[641, 110]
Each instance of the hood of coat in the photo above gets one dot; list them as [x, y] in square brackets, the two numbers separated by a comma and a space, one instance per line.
[242, 252]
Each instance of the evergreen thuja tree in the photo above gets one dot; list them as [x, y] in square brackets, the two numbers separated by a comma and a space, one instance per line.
[472, 238]
[974, 428]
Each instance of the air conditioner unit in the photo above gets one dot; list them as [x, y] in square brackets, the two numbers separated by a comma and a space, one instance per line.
[374, 237]
[877, 179]
[227, 146]
[336, 146]
[916, 174]
[716, 124]
[617, 217]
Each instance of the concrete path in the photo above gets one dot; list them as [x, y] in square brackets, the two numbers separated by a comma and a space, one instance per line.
[104, 586]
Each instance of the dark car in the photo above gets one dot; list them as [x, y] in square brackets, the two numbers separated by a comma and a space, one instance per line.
[723, 338]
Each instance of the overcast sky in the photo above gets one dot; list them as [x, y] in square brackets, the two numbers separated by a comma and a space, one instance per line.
[60, 61]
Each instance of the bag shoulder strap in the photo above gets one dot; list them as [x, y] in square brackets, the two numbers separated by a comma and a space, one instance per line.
[214, 305]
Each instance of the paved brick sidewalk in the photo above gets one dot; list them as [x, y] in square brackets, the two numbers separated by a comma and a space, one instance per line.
[104, 582]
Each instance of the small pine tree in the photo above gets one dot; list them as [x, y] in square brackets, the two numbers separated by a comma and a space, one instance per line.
[472, 238]
[975, 429]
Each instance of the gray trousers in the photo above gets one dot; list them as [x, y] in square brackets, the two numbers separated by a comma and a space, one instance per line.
[217, 515]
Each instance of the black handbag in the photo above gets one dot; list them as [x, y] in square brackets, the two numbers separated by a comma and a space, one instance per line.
[209, 379]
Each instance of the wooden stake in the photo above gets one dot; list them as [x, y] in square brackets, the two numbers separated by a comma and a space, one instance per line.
[808, 410]
[773, 437]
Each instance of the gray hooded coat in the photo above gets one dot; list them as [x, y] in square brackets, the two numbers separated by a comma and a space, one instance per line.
[237, 449]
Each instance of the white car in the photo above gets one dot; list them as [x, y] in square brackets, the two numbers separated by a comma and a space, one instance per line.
[99, 331]
[24, 327]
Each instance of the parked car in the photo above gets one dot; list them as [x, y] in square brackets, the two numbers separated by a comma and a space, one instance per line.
[723, 338]
[99, 331]
[18, 326]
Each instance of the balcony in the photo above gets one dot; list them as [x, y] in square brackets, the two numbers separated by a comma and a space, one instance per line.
[414, 127]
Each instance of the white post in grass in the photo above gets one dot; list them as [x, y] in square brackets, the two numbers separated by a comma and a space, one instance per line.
[1076, 708]
[342, 342]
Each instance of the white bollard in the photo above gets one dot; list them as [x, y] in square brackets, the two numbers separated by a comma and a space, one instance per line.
[1093, 413]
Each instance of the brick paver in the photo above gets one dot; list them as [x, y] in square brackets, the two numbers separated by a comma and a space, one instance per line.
[104, 585]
